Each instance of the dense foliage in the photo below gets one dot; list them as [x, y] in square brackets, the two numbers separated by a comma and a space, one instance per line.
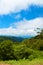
[27, 49]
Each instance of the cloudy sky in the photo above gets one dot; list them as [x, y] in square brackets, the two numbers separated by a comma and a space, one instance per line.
[21, 17]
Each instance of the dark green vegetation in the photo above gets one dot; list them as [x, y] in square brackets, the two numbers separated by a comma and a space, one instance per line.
[26, 49]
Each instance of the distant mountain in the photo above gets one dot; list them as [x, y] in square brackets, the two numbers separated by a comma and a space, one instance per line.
[12, 38]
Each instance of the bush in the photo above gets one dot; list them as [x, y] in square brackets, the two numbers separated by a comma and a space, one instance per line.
[6, 50]
[21, 51]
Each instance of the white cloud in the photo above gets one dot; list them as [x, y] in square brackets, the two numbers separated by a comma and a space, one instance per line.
[8, 6]
[23, 28]
[31, 24]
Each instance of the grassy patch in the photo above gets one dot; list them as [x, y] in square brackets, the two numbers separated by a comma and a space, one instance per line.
[23, 62]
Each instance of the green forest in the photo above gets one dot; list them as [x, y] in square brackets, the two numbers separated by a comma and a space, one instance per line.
[11, 49]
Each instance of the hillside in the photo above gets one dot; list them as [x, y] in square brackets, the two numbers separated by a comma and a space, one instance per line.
[35, 42]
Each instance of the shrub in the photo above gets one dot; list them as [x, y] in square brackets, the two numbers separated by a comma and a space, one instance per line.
[6, 50]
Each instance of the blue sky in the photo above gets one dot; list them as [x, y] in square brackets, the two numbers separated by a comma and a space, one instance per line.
[21, 18]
